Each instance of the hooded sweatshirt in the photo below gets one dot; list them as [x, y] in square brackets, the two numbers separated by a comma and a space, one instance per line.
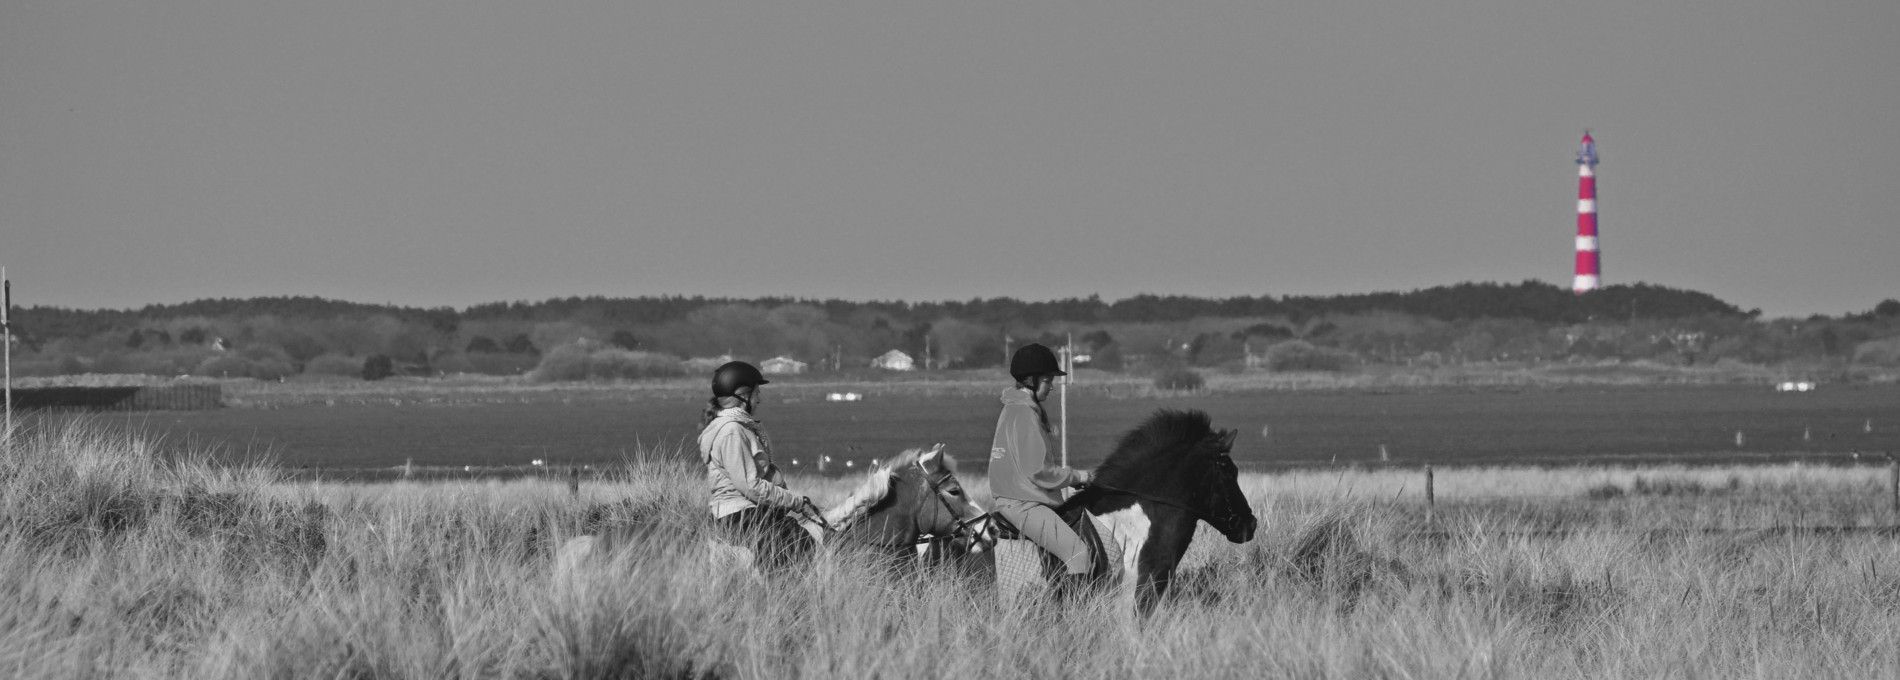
[1021, 466]
[739, 466]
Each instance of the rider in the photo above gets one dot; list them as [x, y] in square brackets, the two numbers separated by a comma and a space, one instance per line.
[750, 504]
[1025, 483]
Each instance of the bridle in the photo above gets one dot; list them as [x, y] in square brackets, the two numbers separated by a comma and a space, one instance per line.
[1160, 501]
[961, 528]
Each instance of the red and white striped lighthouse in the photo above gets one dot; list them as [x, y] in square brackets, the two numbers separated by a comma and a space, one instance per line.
[1589, 266]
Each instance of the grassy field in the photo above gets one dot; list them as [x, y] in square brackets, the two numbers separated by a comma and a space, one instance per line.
[129, 557]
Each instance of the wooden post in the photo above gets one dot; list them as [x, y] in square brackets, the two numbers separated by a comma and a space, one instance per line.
[1431, 500]
[1893, 480]
[573, 481]
[408, 467]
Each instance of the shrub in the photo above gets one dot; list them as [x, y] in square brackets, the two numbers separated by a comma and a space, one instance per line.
[1883, 352]
[378, 366]
[333, 364]
[232, 366]
[482, 344]
[1179, 379]
[631, 365]
[588, 360]
[497, 364]
[1300, 355]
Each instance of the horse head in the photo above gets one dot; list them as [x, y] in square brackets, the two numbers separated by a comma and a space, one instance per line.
[1221, 503]
[915, 494]
[1177, 458]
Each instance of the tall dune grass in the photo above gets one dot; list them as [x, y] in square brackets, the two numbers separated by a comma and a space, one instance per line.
[120, 557]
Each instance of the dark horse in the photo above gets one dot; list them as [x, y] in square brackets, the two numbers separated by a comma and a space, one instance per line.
[1163, 477]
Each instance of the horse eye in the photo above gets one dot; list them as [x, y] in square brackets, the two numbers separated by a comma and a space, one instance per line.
[956, 492]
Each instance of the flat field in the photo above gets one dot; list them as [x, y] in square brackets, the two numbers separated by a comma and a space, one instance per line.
[445, 430]
[119, 558]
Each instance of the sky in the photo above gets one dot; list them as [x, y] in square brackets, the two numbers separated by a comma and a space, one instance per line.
[456, 152]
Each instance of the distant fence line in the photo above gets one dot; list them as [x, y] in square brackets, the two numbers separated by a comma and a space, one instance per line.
[148, 398]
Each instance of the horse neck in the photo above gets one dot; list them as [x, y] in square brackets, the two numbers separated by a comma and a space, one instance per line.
[886, 527]
[890, 522]
[1154, 485]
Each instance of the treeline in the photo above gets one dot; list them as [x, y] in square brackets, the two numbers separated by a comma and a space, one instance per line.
[595, 337]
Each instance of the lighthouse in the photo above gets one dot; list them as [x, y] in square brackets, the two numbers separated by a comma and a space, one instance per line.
[1589, 262]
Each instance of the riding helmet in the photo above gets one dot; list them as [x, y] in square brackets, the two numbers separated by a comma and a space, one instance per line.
[1033, 360]
[727, 380]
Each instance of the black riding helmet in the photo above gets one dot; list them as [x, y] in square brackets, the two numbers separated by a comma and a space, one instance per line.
[1033, 360]
[727, 379]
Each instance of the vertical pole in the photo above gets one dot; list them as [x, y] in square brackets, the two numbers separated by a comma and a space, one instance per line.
[6, 327]
[1068, 366]
[1431, 501]
[573, 481]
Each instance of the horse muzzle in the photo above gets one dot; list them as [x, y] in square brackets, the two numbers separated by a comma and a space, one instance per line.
[1243, 532]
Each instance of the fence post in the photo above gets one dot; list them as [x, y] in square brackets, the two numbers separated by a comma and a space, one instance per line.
[573, 481]
[1893, 480]
[1431, 502]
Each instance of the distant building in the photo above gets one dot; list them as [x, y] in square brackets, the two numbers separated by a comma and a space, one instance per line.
[783, 365]
[894, 361]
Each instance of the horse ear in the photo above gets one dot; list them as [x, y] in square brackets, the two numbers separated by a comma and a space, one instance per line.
[932, 458]
[1227, 439]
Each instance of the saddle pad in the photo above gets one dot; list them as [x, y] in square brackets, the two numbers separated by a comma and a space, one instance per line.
[1018, 569]
[1023, 568]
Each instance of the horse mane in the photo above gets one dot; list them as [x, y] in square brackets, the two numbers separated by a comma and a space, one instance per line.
[875, 488]
[1166, 430]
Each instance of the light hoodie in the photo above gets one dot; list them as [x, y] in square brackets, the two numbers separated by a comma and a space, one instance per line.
[739, 466]
[1021, 466]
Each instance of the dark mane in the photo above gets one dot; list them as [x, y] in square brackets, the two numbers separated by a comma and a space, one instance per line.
[1166, 430]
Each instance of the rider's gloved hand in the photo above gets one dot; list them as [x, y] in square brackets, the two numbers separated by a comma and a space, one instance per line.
[1083, 478]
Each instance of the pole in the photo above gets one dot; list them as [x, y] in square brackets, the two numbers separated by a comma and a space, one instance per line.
[1431, 502]
[6, 326]
[1068, 368]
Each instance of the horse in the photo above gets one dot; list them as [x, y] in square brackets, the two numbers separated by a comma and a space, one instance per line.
[912, 500]
[1164, 476]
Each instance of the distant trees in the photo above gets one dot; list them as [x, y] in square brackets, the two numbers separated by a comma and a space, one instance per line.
[1467, 322]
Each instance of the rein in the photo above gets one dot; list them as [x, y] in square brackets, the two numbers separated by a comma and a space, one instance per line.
[1152, 499]
[1145, 497]
[962, 526]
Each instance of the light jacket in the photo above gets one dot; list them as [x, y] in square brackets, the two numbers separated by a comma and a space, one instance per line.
[1020, 464]
[739, 466]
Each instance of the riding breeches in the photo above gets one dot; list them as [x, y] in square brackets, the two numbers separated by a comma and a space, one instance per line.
[775, 539]
[1041, 525]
